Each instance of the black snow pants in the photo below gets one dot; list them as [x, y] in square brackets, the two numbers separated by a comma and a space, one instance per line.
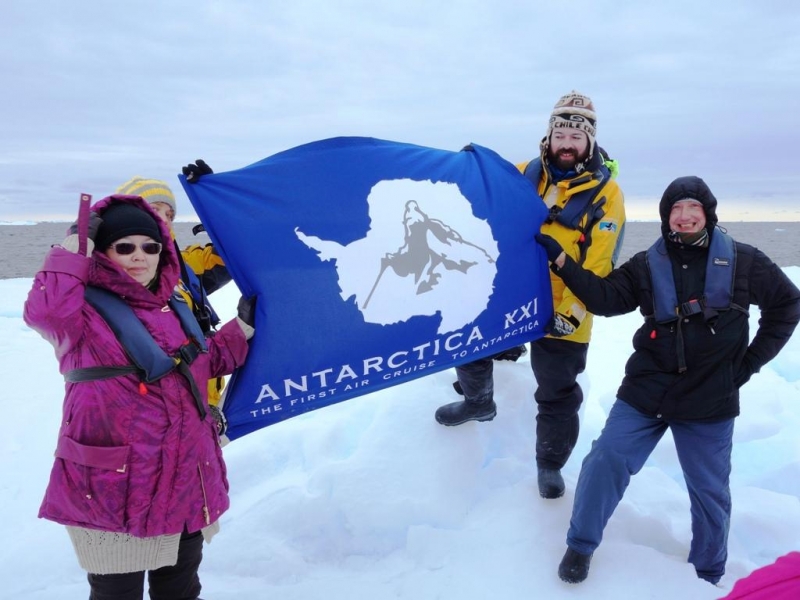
[556, 365]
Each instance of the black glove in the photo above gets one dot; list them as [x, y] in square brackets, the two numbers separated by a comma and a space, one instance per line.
[194, 171]
[552, 247]
[95, 221]
[246, 310]
[562, 325]
[219, 418]
[512, 354]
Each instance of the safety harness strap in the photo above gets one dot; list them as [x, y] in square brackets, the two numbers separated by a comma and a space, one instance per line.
[148, 360]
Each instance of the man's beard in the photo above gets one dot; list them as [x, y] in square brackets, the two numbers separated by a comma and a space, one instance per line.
[568, 162]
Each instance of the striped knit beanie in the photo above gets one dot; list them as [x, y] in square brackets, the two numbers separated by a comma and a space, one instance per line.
[152, 190]
[574, 111]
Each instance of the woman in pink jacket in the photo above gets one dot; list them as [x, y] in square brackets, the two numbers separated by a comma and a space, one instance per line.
[138, 478]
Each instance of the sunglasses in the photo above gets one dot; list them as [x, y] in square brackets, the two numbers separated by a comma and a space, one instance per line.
[125, 248]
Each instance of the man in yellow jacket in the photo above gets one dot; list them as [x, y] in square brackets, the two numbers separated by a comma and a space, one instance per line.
[587, 217]
[202, 269]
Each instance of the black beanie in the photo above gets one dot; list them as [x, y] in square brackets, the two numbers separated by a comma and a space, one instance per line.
[121, 220]
[688, 188]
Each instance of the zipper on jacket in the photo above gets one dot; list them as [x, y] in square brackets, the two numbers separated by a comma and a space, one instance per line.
[206, 513]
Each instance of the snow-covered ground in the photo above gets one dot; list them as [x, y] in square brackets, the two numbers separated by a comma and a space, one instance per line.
[372, 498]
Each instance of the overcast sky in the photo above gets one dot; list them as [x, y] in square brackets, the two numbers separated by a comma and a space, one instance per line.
[96, 92]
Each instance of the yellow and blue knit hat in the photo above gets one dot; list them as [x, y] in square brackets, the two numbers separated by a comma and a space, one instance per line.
[152, 190]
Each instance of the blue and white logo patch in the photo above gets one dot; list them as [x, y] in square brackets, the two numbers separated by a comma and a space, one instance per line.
[609, 226]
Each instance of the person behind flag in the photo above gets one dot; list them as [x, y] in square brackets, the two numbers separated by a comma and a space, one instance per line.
[138, 479]
[691, 356]
[587, 216]
[202, 270]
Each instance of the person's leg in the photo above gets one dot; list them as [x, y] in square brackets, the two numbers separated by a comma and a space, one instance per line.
[477, 380]
[556, 365]
[704, 451]
[477, 384]
[627, 440]
[116, 586]
[180, 582]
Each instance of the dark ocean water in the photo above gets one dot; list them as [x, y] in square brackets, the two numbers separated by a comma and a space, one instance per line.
[24, 246]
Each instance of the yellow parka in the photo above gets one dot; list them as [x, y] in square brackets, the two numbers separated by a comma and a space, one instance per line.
[594, 245]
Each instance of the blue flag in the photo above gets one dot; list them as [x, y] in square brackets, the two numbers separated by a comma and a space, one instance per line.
[373, 263]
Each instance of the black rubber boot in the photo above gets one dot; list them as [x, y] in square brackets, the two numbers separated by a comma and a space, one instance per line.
[551, 483]
[574, 567]
[457, 413]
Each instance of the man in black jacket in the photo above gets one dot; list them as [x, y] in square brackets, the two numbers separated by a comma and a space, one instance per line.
[691, 356]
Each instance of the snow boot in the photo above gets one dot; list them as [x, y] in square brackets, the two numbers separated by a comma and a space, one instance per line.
[574, 567]
[457, 413]
[551, 483]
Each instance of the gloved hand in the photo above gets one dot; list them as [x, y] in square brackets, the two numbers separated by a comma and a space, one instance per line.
[552, 247]
[512, 354]
[95, 221]
[194, 171]
[246, 310]
[219, 418]
[562, 325]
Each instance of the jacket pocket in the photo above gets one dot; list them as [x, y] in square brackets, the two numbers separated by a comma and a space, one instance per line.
[96, 483]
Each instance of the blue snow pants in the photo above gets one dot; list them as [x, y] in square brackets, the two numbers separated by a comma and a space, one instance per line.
[627, 440]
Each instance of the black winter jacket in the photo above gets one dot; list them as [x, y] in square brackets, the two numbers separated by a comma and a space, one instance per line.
[719, 356]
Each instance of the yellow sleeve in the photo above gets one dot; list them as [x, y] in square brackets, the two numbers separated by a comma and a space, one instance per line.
[605, 237]
[201, 258]
[207, 265]
[606, 232]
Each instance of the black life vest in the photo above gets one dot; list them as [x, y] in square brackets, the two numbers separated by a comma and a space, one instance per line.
[148, 360]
